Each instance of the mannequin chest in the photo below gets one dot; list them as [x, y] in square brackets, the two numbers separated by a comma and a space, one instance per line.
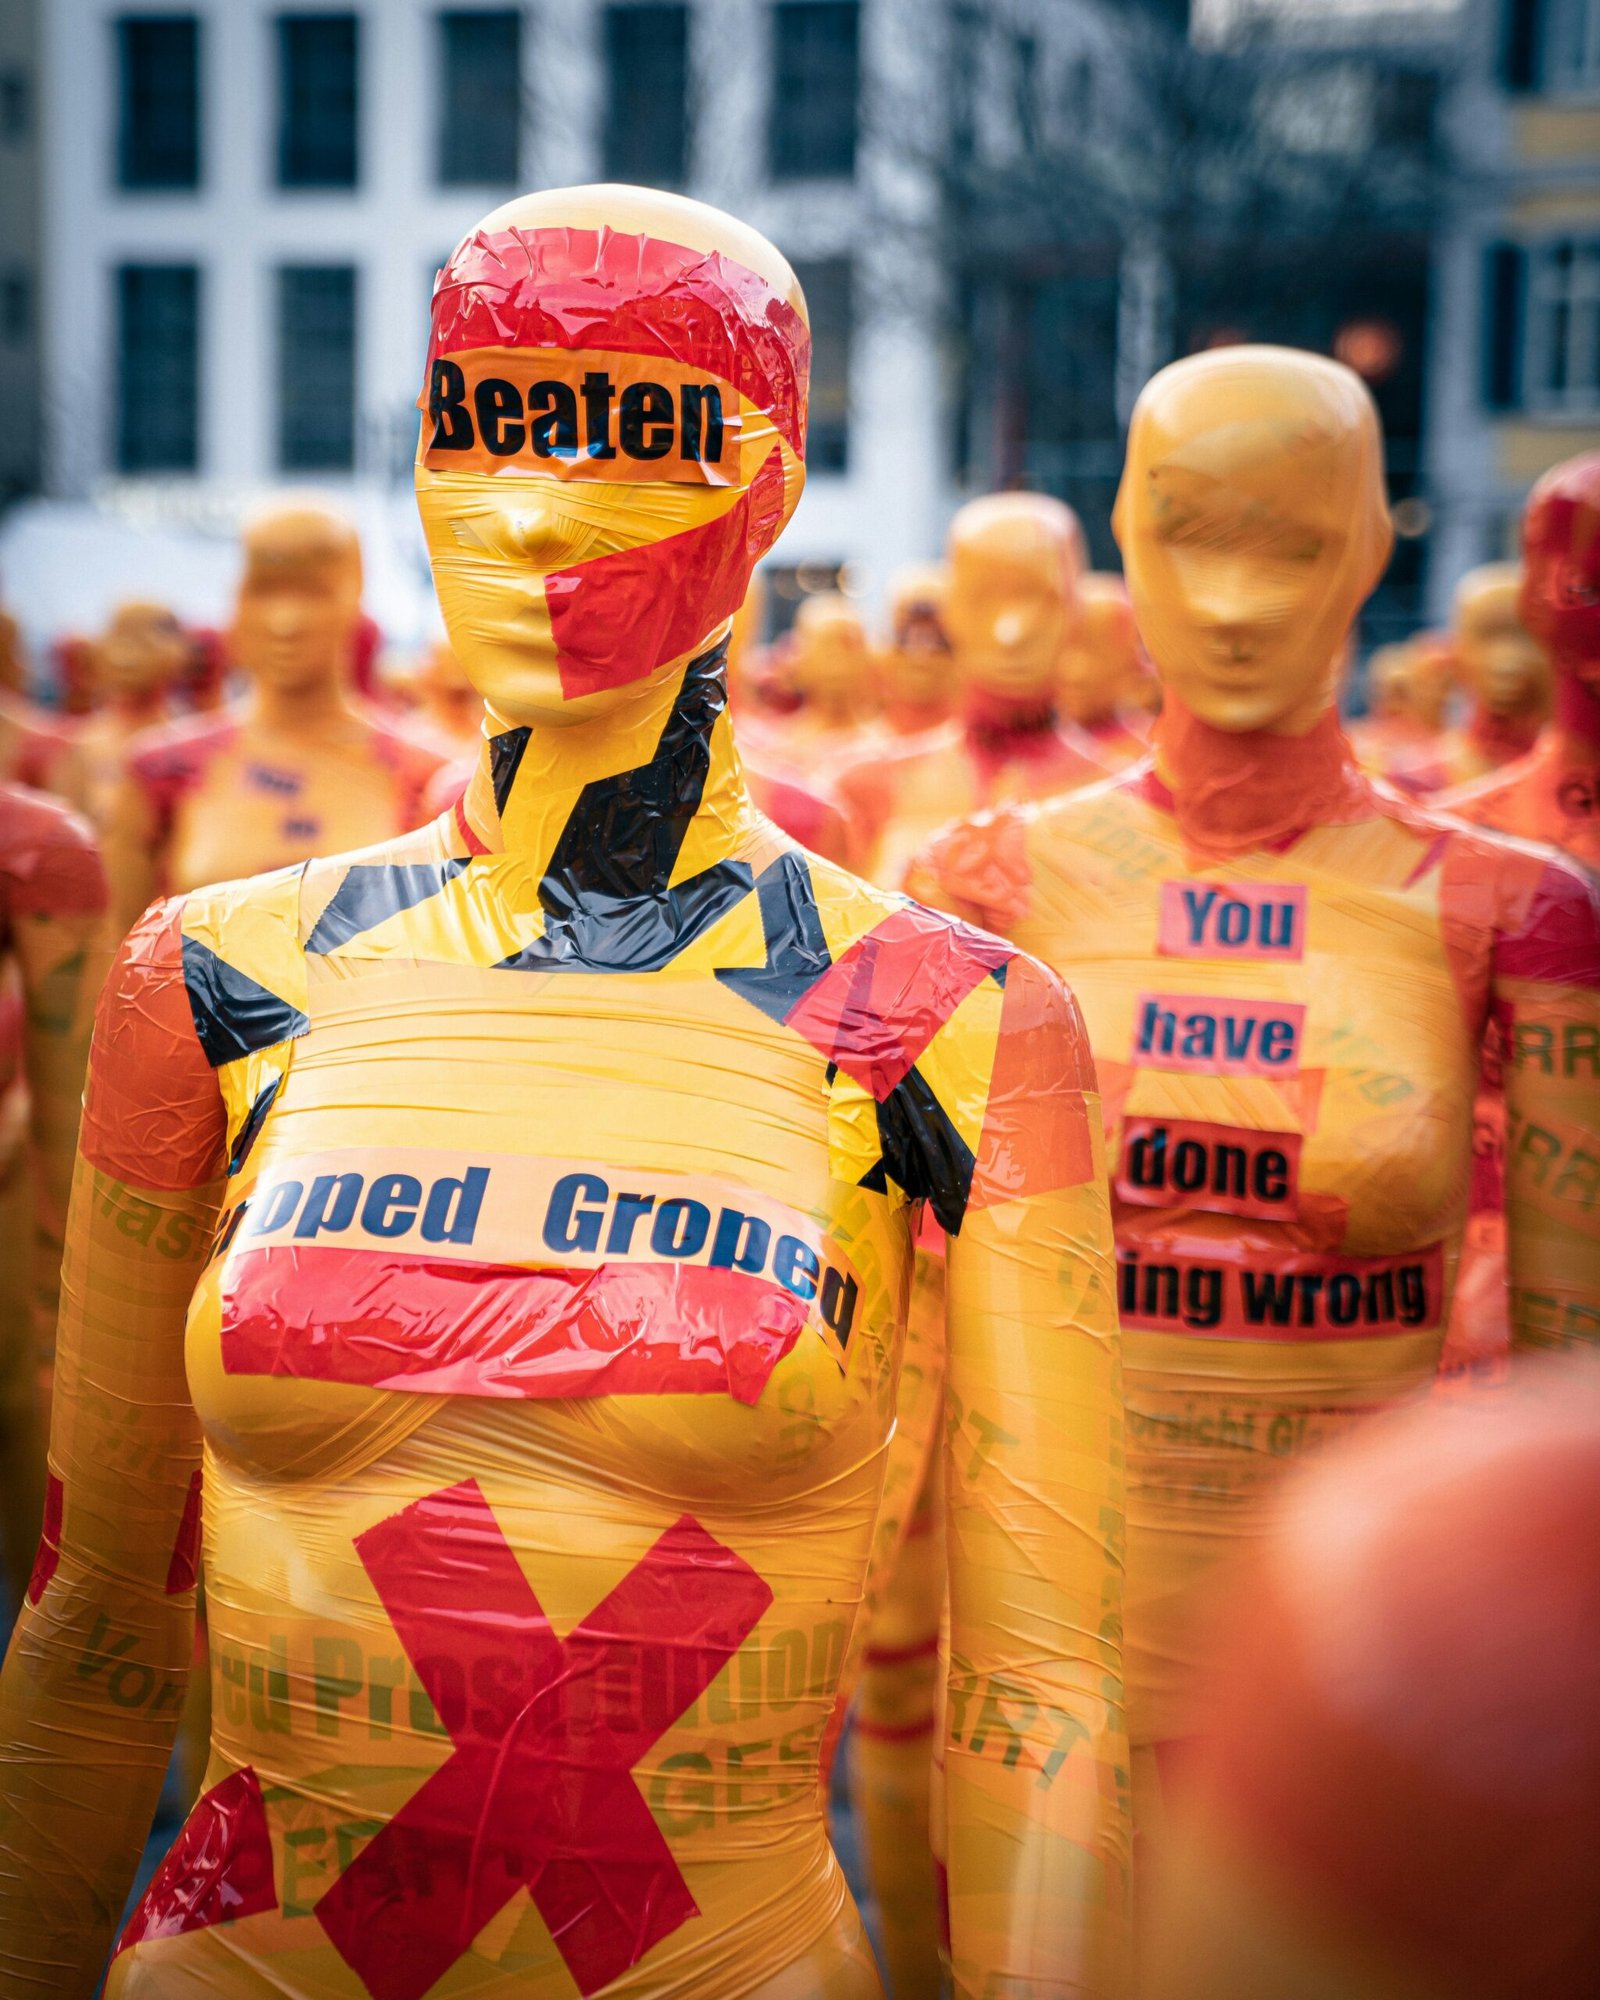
[594, 1216]
[254, 810]
[1280, 1040]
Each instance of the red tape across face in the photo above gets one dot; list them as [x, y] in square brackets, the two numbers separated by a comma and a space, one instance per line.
[539, 1791]
[590, 288]
[620, 617]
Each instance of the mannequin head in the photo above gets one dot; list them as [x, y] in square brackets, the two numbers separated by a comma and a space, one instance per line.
[1410, 682]
[612, 436]
[299, 600]
[1253, 525]
[1014, 562]
[915, 668]
[448, 698]
[1102, 665]
[830, 661]
[1504, 667]
[745, 638]
[141, 654]
[1560, 599]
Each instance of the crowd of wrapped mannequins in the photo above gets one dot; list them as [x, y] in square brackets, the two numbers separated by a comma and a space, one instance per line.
[987, 745]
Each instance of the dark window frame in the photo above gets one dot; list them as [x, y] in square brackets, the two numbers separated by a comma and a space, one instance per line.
[138, 445]
[626, 138]
[296, 409]
[145, 136]
[298, 142]
[462, 135]
[813, 123]
[830, 286]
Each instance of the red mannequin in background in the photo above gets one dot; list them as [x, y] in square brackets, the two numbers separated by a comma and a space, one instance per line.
[1103, 670]
[1551, 794]
[1014, 563]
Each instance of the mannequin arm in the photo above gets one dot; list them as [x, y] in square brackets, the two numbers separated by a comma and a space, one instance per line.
[58, 937]
[1036, 1756]
[132, 842]
[94, 1680]
[1547, 998]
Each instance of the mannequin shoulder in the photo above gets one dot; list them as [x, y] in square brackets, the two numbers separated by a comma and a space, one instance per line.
[49, 861]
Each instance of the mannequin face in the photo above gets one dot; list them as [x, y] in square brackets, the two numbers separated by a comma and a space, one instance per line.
[612, 436]
[1101, 665]
[142, 651]
[1505, 667]
[299, 600]
[447, 693]
[1410, 682]
[1014, 560]
[917, 669]
[1253, 524]
[1560, 599]
[831, 664]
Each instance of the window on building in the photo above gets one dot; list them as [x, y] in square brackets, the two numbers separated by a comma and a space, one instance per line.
[16, 304]
[158, 101]
[1571, 52]
[1562, 364]
[815, 85]
[318, 100]
[826, 282]
[16, 105]
[647, 94]
[480, 96]
[317, 368]
[158, 368]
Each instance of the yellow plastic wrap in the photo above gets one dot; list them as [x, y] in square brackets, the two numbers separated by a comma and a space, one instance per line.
[544, 1350]
[298, 768]
[1287, 976]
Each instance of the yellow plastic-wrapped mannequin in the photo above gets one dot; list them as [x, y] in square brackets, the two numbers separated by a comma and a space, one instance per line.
[1104, 671]
[1287, 976]
[916, 684]
[540, 1190]
[1014, 562]
[138, 662]
[1507, 673]
[300, 768]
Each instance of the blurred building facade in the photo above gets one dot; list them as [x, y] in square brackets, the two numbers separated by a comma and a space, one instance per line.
[247, 203]
[1516, 380]
[1006, 214]
[21, 434]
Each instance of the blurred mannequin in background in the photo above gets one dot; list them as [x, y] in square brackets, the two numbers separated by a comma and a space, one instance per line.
[1287, 975]
[1551, 794]
[1408, 696]
[916, 681]
[1392, 1791]
[52, 925]
[449, 708]
[1104, 671]
[297, 769]
[136, 665]
[1506, 672]
[1013, 566]
[828, 664]
[34, 748]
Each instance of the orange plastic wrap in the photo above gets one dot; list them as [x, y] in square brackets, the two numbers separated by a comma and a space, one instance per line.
[1287, 977]
[544, 1352]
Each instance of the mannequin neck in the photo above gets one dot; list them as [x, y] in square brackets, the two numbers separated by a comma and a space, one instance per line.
[1577, 719]
[992, 717]
[1231, 790]
[137, 708]
[621, 796]
[309, 710]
